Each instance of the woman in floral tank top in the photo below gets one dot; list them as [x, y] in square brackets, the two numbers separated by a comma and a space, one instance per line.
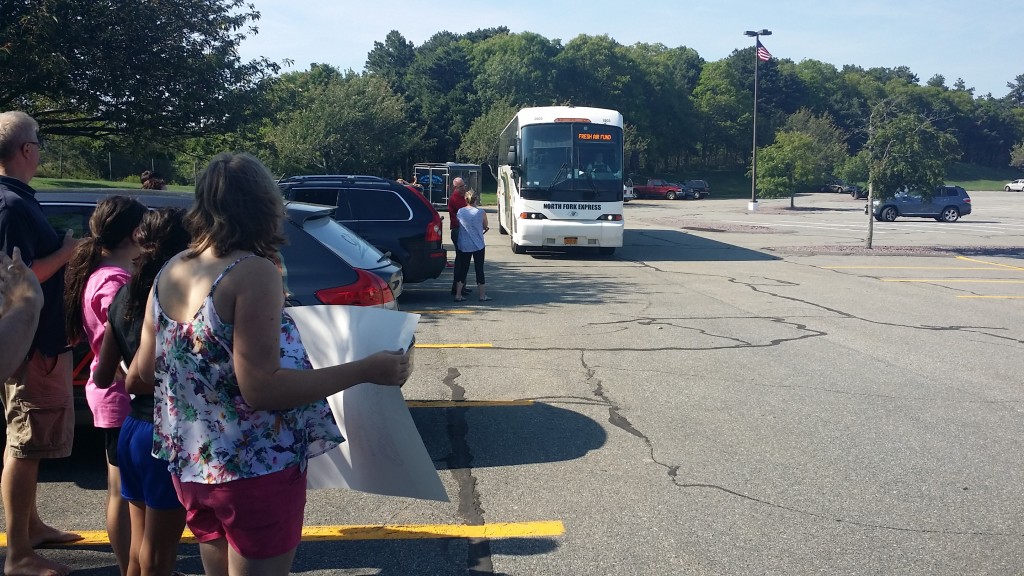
[238, 409]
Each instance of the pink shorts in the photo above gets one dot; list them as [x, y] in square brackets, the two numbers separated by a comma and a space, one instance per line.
[260, 517]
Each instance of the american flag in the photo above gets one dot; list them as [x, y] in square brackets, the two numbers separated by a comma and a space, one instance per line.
[762, 53]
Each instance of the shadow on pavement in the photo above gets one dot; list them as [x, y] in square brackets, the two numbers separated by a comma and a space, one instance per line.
[506, 435]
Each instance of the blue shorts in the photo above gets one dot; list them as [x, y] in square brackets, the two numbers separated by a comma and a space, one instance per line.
[143, 477]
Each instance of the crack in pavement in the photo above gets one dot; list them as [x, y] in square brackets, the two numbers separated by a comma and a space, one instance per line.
[460, 463]
[618, 420]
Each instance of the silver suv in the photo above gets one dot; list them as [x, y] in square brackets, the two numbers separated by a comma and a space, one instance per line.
[947, 204]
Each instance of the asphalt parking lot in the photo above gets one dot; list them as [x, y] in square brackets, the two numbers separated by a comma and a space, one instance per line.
[731, 393]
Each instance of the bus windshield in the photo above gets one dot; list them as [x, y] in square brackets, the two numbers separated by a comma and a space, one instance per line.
[571, 162]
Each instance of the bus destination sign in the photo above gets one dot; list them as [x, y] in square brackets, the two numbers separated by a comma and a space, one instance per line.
[589, 136]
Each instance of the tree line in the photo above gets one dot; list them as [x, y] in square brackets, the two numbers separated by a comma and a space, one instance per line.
[165, 79]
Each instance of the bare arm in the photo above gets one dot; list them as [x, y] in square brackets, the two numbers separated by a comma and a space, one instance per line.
[21, 300]
[107, 361]
[141, 374]
[45, 268]
[258, 301]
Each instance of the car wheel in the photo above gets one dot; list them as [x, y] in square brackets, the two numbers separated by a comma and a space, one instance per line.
[950, 214]
[501, 230]
[670, 195]
[879, 218]
[889, 214]
[1006, 188]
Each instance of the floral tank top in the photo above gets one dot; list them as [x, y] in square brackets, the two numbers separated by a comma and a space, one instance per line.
[201, 424]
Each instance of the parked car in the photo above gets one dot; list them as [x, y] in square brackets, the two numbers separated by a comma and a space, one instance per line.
[858, 192]
[658, 188]
[836, 185]
[1017, 185]
[697, 189]
[947, 204]
[627, 190]
[398, 220]
[315, 272]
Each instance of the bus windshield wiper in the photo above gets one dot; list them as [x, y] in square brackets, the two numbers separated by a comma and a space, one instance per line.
[555, 178]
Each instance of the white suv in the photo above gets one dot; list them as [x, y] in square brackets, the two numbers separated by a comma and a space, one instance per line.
[627, 190]
[1017, 185]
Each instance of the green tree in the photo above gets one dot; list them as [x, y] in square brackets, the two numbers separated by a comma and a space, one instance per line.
[354, 125]
[479, 143]
[515, 68]
[1017, 156]
[791, 163]
[724, 113]
[143, 69]
[391, 60]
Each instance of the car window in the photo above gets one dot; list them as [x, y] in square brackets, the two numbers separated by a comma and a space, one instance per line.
[344, 242]
[65, 216]
[324, 196]
[376, 204]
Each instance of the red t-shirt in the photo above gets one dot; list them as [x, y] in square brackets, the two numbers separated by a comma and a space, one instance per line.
[455, 201]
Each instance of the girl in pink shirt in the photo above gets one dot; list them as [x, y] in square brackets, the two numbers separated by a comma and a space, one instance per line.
[98, 269]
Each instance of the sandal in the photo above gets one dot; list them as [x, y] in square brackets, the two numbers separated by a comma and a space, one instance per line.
[459, 299]
[486, 299]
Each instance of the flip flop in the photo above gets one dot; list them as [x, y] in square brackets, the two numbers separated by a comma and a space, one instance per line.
[486, 299]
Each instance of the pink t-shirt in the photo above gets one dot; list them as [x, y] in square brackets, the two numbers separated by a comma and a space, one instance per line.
[109, 406]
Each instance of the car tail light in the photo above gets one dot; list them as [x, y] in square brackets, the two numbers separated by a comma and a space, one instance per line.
[367, 290]
[612, 217]
[434, 227]
[967, 199]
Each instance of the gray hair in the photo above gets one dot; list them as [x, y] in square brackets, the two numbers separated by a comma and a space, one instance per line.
[16, 128]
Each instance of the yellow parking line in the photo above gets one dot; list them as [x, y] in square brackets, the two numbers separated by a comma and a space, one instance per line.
[951, 281]
[990, 263]
[378, 532]
[907, 267]
[996, 297]
[455, 345]
[466, 403]
[440, 311]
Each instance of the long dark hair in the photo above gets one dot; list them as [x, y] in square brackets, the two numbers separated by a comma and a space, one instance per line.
[161, 235]
[114, 219]
[238, 207]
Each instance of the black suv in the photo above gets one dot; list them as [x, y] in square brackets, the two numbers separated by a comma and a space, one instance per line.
[697, 189]
[396, 219]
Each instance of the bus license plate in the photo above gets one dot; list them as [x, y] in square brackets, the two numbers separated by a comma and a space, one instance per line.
[570, 240]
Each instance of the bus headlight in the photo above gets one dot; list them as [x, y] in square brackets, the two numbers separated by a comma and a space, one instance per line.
[532, 216]
[611, 217]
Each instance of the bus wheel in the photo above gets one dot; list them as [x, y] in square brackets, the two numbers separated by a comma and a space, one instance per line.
[517, 249]
[501, 230]
[606, 251]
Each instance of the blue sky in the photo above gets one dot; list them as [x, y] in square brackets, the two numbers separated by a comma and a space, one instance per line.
[978, 40]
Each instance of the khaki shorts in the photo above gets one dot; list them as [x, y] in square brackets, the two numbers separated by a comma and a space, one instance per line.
[40, 408]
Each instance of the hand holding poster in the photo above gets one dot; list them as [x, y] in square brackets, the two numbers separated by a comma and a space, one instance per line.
[383, 452]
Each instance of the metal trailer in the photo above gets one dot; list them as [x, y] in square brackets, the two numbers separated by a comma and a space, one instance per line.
[435, 178]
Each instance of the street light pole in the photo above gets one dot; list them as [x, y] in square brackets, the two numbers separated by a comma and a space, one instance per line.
[753, 161]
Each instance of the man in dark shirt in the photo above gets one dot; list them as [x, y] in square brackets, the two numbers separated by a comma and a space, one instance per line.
[456, 200]
[37, 399]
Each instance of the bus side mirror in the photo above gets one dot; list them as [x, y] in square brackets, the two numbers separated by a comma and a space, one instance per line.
[511, 161]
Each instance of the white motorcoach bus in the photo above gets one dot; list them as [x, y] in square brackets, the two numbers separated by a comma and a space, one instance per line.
[560, 179]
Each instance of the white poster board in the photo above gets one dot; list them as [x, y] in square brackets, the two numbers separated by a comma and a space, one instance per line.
[383, 452]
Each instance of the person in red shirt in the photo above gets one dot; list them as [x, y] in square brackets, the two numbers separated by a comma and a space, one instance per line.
[456, 200]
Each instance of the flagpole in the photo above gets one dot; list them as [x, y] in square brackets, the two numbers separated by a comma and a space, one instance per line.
[753, 161]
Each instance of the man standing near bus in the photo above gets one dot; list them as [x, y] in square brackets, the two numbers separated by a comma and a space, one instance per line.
[456, 200]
